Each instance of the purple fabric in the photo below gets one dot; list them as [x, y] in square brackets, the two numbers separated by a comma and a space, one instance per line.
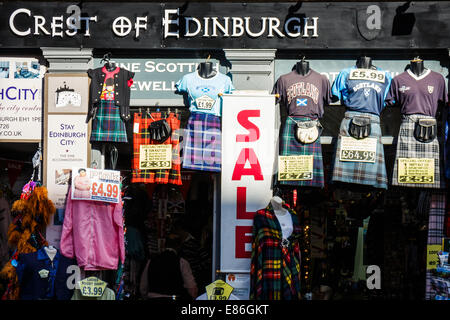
[202, 149]
[418, 95]
[303, 95]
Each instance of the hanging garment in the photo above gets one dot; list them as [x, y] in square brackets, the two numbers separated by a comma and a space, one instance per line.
[5, 221]
[290, 146]
[303, 96]
[275, 263]
[93, 234]
[141, 136]
[41, 278]
[202, 148]
[203, 94]
[367, 173]
[109, 104]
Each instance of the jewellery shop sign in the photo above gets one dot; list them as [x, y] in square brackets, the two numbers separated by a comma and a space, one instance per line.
[320, 25]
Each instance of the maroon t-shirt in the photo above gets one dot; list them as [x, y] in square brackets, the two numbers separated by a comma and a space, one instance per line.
[303, 95]
[418, 95]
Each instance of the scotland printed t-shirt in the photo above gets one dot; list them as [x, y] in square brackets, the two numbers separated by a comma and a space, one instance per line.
[418, 94]
[203, 94]
[303, 95]
[362, 90]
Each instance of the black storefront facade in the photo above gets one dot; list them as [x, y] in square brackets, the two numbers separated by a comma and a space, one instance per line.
[256, 43]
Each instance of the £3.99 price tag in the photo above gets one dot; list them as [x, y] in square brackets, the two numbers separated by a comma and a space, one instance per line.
[92, 287]
[218, 290]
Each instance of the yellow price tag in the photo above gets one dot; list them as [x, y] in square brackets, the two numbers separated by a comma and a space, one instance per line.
[92, 287]
[218, 290]
[292, 168]
[155, 156]
[415, 170]
[432, 256]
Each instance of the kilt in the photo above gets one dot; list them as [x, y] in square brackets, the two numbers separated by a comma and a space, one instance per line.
[367, 173]
[107, 125]
[202, 148]
[142, 137]
[409, 147]
[289, 146]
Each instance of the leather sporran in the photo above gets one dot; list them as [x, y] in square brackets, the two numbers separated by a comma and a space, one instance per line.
[425, 130]
[159, 130]
[359, 127]
[307, 131]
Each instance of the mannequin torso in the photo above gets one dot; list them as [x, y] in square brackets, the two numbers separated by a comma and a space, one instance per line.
[206, 70]
[283, 216]
[302, 67]
[364, 62]
[51, 252]
[417, 67]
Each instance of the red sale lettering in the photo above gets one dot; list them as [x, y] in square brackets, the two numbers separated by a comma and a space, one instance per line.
[253, 130]
[241, 239]
[247, 154]
[241, 204]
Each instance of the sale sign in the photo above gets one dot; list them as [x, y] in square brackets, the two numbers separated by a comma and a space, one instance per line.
[95, 184]
[249, 139]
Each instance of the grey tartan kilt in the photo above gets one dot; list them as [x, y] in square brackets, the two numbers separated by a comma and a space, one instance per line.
[409, 147]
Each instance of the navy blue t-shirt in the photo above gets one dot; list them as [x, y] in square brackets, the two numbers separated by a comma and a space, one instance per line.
[362, 90]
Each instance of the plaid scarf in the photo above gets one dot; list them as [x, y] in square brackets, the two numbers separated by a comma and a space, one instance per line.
[275, 269]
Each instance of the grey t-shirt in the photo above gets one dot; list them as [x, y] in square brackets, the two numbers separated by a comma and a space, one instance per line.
[418, 95]
[303, 95]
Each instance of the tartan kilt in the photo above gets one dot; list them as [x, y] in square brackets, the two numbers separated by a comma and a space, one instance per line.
[202, 148]
[409, 147]
[107, 124]
[367, 173]
[289, 146]
[142, 137]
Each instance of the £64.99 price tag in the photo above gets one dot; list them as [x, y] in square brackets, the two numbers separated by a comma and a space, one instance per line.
[363, 150]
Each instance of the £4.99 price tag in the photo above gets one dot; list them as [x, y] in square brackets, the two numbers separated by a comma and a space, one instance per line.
[95, 184]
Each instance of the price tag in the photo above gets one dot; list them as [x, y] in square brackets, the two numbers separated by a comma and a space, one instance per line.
[363, 150]
[155, 156]
[367, 74]
[293, 168]
[95, 184]
[92, 287]
[415, 170]
[205, 102]
[432, 256]
[218, 290]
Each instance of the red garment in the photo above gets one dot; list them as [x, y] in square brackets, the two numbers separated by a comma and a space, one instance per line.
[93, 233]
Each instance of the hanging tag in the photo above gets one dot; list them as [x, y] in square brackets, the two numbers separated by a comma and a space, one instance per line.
[92, 287]
[205, 102]
[218, 290]
[415, 170]
[136, 127]
[292, 168]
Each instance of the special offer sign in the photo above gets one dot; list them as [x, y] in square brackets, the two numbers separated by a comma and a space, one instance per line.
[95, 184]
[249, 132]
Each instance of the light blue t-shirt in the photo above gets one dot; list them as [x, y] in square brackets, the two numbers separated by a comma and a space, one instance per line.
[203, 94]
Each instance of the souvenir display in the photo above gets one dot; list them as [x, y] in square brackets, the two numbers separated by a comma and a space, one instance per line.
[418, 162]
[303, 92]
[359, 156]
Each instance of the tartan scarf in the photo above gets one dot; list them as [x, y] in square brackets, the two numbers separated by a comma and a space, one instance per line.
[275, 270]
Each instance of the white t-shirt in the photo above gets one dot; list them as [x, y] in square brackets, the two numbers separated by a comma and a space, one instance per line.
[285, 221]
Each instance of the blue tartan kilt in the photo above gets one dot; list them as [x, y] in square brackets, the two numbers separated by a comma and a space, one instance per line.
[366, 173]
[290, 146]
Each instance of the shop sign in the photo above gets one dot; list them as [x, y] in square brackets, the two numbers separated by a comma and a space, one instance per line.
[20, 99]
[280, 25]
[95, 184]
[247, 171]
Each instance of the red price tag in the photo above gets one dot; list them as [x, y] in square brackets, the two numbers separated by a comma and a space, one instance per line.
[103, 189]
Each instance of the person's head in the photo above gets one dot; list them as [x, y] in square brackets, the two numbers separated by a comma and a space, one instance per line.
[82, 172]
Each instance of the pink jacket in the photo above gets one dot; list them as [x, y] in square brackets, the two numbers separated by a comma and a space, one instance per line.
[93, 233]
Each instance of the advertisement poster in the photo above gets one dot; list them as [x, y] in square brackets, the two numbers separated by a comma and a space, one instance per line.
[20, 99]
[67, 147]
[247, 172]
[95, 184]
